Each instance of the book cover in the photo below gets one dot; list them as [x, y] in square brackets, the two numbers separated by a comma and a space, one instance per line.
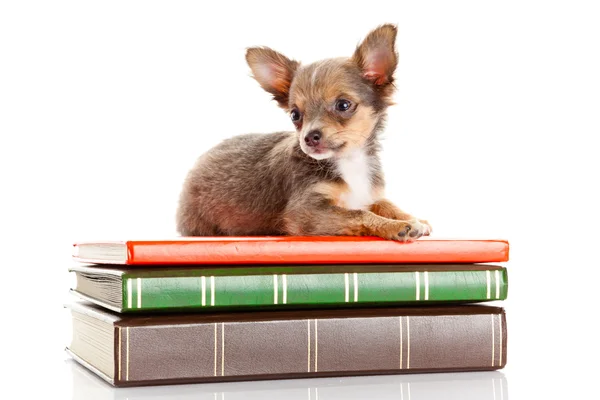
[146, 349]
[481, 385]
[288, 286]
[289, 250]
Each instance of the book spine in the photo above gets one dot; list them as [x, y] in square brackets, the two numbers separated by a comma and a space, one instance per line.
[313, 347]
[316, 251]
[281, 290]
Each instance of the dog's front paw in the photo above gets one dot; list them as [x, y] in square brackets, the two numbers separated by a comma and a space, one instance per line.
[404, 231]
[426, 227]
[414, 230]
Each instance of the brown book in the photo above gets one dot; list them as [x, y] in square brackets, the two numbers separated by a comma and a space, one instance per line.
[481, 385]
[151, 349]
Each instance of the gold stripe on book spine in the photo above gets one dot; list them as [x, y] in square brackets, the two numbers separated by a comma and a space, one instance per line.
[222, 349]
[215, 373]
[309, 345]
[493, 342]
[500, 332]
[316, 347]
[401, 342]
[119, 351]
[407, 343]
[127, 354]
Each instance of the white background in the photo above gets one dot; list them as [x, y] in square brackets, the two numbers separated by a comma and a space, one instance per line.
[104, 107]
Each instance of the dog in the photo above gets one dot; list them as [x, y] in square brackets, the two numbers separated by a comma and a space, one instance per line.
[322, 179]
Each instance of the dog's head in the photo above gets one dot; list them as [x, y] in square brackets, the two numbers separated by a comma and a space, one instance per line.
[335, 104]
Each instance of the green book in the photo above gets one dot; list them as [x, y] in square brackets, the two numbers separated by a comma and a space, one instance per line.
[286, 287]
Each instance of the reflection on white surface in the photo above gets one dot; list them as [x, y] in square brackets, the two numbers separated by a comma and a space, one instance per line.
[448, 386]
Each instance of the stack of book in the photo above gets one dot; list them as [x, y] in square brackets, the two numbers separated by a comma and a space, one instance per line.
[204, 309]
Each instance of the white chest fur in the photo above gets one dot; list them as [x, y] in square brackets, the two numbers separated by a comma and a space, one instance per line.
[356, 171]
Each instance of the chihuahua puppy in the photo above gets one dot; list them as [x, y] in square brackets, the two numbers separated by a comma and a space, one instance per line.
[324, 178]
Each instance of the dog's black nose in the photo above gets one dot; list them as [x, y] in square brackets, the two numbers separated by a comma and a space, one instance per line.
[312, 138]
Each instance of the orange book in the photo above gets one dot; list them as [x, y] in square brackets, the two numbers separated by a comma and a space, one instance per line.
[289, 250]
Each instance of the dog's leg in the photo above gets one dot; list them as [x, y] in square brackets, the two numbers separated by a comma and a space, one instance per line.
[318, 216]
[190, 223]
[387, 209]
[197, 227]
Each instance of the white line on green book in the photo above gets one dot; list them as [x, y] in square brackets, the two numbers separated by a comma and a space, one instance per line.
[426, 275]
[129, 293]
[139, 293]
[497, 276]
[212, 290]
[275, 289]
[346, 288]
[418, 286]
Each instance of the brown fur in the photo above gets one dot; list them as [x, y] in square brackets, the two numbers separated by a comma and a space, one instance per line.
[275, 184]
[277, 64]
[387, 209]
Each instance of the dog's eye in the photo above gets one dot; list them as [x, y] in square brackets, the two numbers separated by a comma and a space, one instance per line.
[342, 105]
[295, 115]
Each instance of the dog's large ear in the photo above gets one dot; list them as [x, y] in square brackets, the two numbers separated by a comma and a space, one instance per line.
[376, 55]
[273, 71]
